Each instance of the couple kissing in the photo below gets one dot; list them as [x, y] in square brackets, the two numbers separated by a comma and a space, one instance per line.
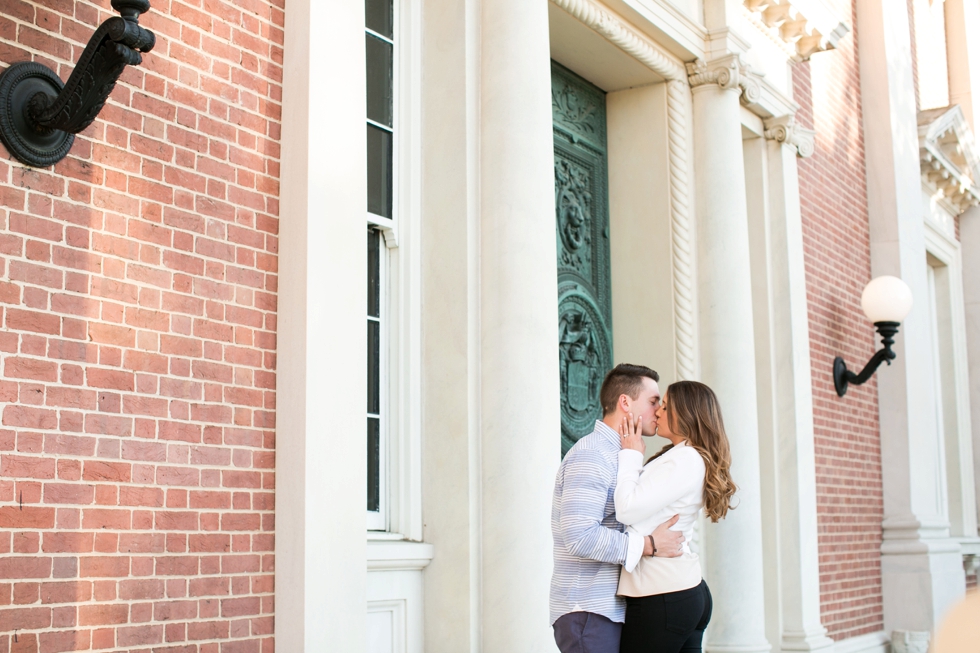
[625, 578]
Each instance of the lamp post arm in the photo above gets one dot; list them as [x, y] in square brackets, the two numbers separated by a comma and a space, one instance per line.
[116, 44]
[39, 116]
[844, 377]
[882, 355]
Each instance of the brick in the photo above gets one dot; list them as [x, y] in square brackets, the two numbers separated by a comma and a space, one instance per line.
[69, 493]
[111, 379]
[66, 592]
[103, 566]
[67, 542]
[20, 320]
[26, 466]
[12, 619]
[24, 566]
[98, 470]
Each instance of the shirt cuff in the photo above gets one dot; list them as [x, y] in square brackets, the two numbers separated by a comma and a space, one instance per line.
[634, 551]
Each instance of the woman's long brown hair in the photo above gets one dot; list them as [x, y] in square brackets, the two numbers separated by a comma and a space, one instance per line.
[693, 413]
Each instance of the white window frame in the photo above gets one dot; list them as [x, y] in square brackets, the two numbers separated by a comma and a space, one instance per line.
[401, 446]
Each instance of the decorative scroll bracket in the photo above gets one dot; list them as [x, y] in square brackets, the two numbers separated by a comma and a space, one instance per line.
[39, 116]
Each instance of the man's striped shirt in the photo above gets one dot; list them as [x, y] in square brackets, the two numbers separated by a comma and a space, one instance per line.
[590, 546]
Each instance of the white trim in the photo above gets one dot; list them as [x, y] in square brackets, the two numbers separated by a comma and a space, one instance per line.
[401, 299]
[398, 556]
[405, 294]
[960, 480]
[624, 36]
[871, 643]
[397, 609]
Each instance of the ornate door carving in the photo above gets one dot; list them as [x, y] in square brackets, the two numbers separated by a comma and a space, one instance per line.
[582, 226]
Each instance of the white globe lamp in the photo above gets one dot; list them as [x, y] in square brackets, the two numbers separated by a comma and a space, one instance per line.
[886, 301]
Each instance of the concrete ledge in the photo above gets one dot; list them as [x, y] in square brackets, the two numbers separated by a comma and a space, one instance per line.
[398, 556]
[870, 643]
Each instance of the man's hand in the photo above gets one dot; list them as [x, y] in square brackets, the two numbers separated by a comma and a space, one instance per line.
[668, 542]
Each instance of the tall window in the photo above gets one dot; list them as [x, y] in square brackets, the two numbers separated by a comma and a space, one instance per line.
[380, 61]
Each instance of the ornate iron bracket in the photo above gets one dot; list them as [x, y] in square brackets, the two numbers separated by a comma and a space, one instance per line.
[844, 377]
[39, 116]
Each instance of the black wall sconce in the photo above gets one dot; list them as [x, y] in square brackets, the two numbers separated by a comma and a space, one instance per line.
[886, 301]
[39, 116]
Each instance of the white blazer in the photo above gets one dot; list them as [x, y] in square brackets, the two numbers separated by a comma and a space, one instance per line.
[647, 496]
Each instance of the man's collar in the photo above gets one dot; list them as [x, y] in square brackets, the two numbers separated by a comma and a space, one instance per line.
[607, 432]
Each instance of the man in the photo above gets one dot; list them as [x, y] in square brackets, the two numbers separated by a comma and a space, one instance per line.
[590, 545]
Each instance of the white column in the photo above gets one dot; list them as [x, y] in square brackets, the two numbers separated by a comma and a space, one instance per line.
[963, 57]
[734, 546]
[921, 568]
[321, 556]
[970, 248]
[519, 409]
[450, 316]
[792, 462]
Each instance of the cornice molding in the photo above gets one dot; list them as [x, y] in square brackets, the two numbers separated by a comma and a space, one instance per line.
[730, 73]
[784, 129]
[948, 159]
[624, 36]
[805, 27]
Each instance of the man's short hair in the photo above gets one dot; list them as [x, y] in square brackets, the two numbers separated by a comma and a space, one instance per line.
[624, 379]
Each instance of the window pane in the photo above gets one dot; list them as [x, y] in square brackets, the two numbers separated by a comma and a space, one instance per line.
[374, 273]
[374, 464]
[379, 16]
[379, 86]
[374, 367]
[379, 171]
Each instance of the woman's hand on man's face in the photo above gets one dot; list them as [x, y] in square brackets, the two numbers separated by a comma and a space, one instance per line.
[631, 433]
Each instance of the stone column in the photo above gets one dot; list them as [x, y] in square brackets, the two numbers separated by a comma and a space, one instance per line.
[733, 551]
[519, 391]
[921, 569]
[793, 466]
[963, 57]
[321, 460]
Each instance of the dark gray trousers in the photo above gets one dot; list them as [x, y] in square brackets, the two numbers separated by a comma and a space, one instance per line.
[587, 632]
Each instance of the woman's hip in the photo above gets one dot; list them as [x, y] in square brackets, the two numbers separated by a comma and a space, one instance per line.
[680, 612]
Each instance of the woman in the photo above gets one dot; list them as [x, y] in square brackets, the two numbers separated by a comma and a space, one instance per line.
[668, 604]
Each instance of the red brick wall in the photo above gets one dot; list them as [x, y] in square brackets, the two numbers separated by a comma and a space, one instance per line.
[838, 265]
[138, 299]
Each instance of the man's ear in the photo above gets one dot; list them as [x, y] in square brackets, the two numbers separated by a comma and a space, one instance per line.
[625, 402]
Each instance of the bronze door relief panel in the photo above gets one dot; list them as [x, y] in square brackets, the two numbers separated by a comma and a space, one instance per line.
[582, 231]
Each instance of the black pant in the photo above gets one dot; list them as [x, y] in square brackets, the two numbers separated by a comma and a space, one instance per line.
[667, 623]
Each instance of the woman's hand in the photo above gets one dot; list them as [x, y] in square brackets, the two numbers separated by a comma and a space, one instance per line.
[631, 434]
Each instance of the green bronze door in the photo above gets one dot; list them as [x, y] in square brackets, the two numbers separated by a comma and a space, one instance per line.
[582, 224]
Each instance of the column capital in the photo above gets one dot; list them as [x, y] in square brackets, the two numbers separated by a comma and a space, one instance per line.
[730, 73]
[785, 129]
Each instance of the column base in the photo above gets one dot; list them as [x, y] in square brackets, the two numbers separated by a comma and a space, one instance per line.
[920, 580]
[802, 641]
[726, 648]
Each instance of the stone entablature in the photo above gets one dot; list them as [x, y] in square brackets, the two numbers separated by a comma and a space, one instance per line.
[948, 158]
[805, 27]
